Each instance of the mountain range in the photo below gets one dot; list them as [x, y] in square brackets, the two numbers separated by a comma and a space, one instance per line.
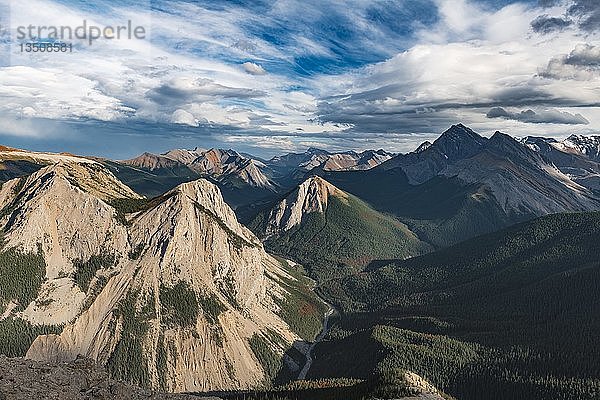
[463, 185]
[464, 266]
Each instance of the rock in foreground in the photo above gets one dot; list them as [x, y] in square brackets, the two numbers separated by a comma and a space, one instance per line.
[81, 379]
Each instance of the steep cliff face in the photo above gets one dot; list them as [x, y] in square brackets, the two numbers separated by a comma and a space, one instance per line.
[168, 298]
[310, 196]
[61, 212]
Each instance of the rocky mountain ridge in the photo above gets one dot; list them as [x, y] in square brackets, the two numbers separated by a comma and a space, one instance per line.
[324, 160]
[169, 296]
[216, 163]
[310, 196]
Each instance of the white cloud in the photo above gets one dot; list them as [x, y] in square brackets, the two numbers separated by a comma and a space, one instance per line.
[253, 69]
[44, 93]
[194, 72]
[155, 81]
[466, 64]
[544, 116]
[184, 118]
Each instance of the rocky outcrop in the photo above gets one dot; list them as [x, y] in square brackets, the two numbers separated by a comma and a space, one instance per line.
[310, 196]
[82, 379]
[423, 390]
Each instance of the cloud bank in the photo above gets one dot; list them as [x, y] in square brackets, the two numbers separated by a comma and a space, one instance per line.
[540, 117]
[288, 73]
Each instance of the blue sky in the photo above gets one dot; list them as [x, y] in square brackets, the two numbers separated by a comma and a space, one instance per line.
[268, 77]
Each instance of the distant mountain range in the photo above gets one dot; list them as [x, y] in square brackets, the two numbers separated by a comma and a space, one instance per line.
[211, 270]
[317, 158]
[463, 185]
[457, 187]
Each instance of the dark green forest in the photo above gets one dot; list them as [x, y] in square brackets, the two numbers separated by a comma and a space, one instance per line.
[509, 315]
[442, 211]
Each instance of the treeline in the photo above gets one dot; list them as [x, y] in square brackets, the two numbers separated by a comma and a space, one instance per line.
[17, 335]
[300, 307]
[21, 276]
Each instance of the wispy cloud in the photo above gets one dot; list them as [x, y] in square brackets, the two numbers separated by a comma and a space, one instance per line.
[291, 72]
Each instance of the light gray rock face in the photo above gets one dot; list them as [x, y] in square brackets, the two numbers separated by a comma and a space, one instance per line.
[189, 238]
[61, 211]
[326, 161]
[311, 196]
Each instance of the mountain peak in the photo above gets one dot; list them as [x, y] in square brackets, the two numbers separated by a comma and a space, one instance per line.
[316, 151]
[184, 156]
[188, 244]
[501, 136]
[537, 139]
[423, 146]
[504, 142]
[207, 198]
[539, 144]
[460, 131]
[459, 142]
[310, 196]
[151, 161]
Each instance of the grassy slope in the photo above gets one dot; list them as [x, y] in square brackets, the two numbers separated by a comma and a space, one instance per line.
[346, 238]
[520, 305]
[442, 211]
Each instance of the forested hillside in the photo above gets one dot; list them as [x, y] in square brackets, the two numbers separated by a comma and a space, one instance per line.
[344, 238]
[509, 315]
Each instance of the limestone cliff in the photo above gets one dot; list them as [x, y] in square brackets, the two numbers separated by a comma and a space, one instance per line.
[167, 298]
[310, 196]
